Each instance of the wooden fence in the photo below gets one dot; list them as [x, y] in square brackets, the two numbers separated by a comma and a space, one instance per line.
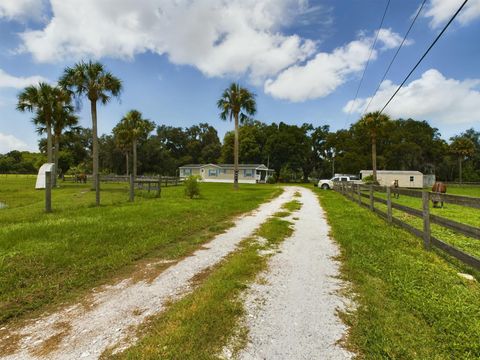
[357, 192]
[164, 180]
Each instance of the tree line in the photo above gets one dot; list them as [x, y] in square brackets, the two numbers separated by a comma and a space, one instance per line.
[295, 152]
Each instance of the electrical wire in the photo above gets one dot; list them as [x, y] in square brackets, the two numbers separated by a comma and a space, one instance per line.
[425, 54]
[368, 61]
[395, 56]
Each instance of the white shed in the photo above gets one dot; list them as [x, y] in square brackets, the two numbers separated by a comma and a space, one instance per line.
[406, 178]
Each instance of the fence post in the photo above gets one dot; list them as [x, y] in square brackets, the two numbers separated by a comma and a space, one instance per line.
[359, 190]
[159, 189]
[132, 188]
[48, 191]
[371, 197]
[389, 204]
[426, 219]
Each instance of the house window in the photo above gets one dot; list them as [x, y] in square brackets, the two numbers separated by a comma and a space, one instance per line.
[224, 171]
[248, 173]
[187, 172]
[412, 178]
[212, 172]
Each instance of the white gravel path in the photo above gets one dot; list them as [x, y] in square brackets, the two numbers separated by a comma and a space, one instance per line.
[293, 314]
[84, 333]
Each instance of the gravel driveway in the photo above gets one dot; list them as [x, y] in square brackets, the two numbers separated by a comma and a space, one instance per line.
[293, 314]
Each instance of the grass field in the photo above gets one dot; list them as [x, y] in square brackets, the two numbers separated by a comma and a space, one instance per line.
[462, 214]
[411, 303]
[49, 258]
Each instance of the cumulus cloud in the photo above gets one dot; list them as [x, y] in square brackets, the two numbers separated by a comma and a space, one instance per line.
[432, 97]
[10, 81]
[391, 39]
[324, 73]
[9, 142]
[218, 37]
[22, 9]
[440, 11]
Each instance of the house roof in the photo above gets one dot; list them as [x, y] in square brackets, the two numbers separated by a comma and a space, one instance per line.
[225, 166]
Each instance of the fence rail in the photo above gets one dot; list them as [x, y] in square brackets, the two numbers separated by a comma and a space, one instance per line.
[357, 192]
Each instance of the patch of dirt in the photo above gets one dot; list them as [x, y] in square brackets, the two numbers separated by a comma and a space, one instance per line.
[53, 342]
[8, 342]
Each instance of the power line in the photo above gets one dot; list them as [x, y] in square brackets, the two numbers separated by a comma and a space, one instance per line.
[368, 61]
[395, 56]
[425, 54]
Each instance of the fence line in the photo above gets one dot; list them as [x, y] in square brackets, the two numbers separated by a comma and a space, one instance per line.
[357, 192]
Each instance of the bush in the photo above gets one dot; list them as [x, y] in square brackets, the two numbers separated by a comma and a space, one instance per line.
[271, 180]
[192, 187]
[368, 180]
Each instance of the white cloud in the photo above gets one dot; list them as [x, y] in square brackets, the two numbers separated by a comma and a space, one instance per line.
[323, 74]
[22, 9]
[218, 37]
[9, 142]
[391, 39]
[431, 97]
[10, 81]
[440, 11]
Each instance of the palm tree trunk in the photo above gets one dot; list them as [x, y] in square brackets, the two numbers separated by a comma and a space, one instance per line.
[126, 162]
[57, 151]
[235, 155]
[460, 168]
[374, 156]
[96, 182]
[50, 146]
[49, 141]
[134, 142]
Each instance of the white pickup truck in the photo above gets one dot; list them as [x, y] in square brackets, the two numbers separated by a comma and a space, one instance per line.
[327, 184]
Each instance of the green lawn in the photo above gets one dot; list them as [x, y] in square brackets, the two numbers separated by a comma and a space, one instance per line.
[462, 214]
[464, 190]
[411, 303]
[49, 258]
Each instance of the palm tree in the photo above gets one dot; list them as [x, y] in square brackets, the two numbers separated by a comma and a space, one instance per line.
[374, 122]
[92, 80]
[237, 103]
[132, 128]
[40, 99]
[462, 147]
[62, 117]
[122, 142]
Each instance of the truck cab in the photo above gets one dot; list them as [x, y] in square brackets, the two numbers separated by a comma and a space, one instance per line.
[327, 184]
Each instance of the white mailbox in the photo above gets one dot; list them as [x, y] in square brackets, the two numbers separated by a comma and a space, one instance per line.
[40, 184]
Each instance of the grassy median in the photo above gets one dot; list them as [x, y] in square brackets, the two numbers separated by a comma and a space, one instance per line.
[203, 322]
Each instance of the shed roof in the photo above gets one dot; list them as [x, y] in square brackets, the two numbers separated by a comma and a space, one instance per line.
[399, 172]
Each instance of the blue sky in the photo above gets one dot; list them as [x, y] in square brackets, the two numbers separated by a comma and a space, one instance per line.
[303, 59]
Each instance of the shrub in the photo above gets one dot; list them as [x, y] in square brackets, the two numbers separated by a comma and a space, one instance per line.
[271, 180]
[192, 187]
[368, 180]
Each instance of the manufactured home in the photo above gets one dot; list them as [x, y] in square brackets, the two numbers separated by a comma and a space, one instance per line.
[248, 173]
[407, 179]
